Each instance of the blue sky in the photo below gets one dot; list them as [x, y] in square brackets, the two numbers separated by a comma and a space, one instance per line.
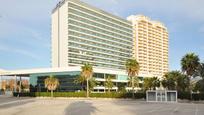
[25, 28]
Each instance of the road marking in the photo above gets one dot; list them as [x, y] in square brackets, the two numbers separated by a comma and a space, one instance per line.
[155, 109]
[175, 110]
[196, 110]
[14, 102]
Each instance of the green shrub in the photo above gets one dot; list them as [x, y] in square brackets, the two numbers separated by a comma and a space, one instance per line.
[184, 95]
[81, 94]
[198, 96]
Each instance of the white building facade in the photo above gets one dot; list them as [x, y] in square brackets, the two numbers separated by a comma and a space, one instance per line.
[84, 34]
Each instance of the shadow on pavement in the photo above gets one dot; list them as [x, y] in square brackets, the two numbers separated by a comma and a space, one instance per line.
[80, 108]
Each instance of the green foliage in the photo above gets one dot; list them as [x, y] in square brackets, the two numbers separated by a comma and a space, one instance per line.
[92, 83]
[80, 80]
[87, 72]
[190, 63]
[175, 80]
[199, 86]
[151, 83]
[109, 83]
[198, 96]
[51, 83]
[132, 67]
[83, 94]
[184, 95]
[135, 83]
[200, 71]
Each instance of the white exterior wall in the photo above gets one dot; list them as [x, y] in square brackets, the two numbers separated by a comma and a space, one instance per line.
[54, 39]
[60, 37]
[63, 35]
[94, 37]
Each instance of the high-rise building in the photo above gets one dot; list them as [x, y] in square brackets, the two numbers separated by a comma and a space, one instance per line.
[150, 45]
[82, 33]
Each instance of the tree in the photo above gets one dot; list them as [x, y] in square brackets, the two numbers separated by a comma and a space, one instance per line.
[155, 82]
[200, 71]
[51, 83]
[11, 84]
[92, 83]
[182, 82]
[189, 64]
[199, 86]
[151, 83]
[109, 83]
[80, 80]
[87, 72]
[3, 85]
[136, 82]
[175, 80]
[132, 68]
[25, 84]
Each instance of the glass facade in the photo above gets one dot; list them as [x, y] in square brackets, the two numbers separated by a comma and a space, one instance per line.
[66, 80]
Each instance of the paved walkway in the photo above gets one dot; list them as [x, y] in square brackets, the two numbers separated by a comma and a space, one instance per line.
[33, 106]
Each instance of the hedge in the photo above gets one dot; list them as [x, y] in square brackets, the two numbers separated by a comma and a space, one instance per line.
[141, 95]
[198, 96]
[81, 94]
[184, 95]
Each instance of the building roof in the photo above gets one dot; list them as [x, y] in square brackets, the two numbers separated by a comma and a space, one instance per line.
[27, 72]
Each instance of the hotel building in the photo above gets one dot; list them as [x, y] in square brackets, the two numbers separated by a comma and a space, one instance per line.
[150, 45]
[82, 33]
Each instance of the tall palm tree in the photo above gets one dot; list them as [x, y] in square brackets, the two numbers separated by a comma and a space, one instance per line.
[87, 72]
[51, 83]
[132, 68]
[190, 63]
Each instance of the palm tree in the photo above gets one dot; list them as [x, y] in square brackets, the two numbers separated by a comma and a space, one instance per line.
[151, 83]
[155, 82]
[87, 72]
[132, 68]
[189, 64]
[200, 71]
[175, 80]
[169, 80]
[92, 83]
[136, 82]
[109, 83]
[51, 83]
[80, 80]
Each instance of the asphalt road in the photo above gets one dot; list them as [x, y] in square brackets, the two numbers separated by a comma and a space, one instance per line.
[33, 106]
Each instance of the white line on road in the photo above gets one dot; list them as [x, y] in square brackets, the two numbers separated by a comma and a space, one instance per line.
[196, 110]
[14, 102]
